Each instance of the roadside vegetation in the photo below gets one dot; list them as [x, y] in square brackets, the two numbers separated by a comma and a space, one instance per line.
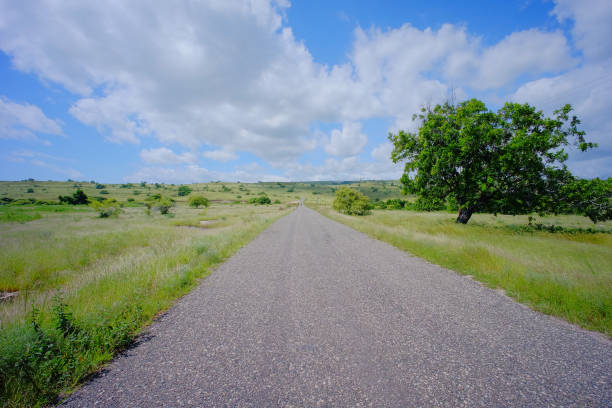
[559, 265]
[78, 285]
[78, 282]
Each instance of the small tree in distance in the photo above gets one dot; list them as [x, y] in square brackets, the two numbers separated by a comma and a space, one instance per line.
[197, 201]
[184, 190]
[510, 161]
[351, 202]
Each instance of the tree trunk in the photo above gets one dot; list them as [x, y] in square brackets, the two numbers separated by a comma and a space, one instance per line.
[464, 215]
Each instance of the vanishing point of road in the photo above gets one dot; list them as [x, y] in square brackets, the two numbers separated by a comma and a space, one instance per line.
[312, 313]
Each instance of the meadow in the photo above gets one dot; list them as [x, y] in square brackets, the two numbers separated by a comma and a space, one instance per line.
[559, 265]
[78, 288]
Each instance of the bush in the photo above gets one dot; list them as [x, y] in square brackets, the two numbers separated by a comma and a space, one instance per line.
[351, 202]
[107, 208]
[184, 190]
[100, 186]
[197, 201]
[104, 192]
[77, 198]
[422, 204]
[395, 204]
[260, 200]
[30, 190]
[159, 202]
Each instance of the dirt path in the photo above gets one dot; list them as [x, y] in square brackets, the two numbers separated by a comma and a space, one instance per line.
[313, 313]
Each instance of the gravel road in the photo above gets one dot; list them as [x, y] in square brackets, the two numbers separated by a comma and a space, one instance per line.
[312, 313]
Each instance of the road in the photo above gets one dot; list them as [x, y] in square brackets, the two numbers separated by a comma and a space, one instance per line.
[312, 313]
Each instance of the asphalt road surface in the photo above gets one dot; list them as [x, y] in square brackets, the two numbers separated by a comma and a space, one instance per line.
[312, 313]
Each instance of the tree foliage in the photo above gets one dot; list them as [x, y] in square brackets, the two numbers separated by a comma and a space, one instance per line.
[510, 161]
[79, 197]
[184, 190]
[592, 198]
[351, 202]
[159, 202]
[197, 201]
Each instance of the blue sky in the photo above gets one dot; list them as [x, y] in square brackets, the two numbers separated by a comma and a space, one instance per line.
[271, 90]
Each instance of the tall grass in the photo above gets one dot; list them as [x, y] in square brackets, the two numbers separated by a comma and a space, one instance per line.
[88, 285]
[566, 273]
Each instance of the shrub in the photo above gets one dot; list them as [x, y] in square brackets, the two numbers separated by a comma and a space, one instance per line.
[197, 201]
[276, 201]
[107, 208]
[395, 204]
[260, 200]
[100, 186]
[104, 192]
[30, 190]
[159, 202]
[184, 190]
[351, 202]
[79, 197]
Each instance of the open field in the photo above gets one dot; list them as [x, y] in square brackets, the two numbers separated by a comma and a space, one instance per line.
[566, 273]
[82, 287]
[113, 275]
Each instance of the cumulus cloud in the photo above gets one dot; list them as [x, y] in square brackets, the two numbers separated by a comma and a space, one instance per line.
[587, 88]
[591, 31]
[382, 152]
[163, 155]
[222, 155]
[19, 121]
[346, 142]
[230, 73]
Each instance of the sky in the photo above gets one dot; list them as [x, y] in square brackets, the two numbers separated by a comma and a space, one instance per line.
[273, 90]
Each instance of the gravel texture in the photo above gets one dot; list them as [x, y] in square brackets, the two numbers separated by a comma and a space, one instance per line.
[312, 313]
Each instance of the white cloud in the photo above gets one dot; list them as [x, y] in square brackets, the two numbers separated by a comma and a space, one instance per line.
[346, 142]
[163, 155]
[587, 88]
[531, 52]
[231, 74]
[24, 121]
[592, 31]
[222, 155]
[193, 173]
[382, 152]
[54, 163]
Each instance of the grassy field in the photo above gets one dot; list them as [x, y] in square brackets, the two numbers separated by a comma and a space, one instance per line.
[81, 287]
[567, 273]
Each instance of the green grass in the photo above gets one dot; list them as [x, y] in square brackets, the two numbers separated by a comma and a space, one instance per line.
[567, 273]
[112, 276]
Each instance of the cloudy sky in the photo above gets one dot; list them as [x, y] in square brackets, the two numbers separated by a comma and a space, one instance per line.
[188, 91]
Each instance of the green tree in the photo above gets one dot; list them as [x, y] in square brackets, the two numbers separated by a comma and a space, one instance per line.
[592, 198]
[79, 197]
[160, 202]
[351, 202]
[184, 190]
[510, 161]
[197, 201]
